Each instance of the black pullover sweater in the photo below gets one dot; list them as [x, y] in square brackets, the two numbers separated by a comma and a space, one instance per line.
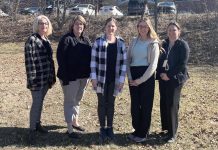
[73, 56]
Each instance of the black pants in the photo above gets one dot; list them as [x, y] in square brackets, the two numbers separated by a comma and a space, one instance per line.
[142, 97]
[106, 105]
[169, 105]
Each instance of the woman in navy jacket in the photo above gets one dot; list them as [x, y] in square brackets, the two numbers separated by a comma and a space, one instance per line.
[73, 57]
[172, 74]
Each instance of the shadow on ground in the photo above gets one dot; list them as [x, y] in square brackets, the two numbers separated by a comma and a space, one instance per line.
[13, 136]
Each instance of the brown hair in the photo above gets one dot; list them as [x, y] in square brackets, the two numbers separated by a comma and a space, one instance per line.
[175, 24]
[109, 20]
[78, 17]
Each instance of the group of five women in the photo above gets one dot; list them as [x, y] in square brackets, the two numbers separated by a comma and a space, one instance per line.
[106, 63]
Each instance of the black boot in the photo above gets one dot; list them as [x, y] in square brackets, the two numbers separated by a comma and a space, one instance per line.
[110, 133]
[40, 129]
[102, 135]
[31, 137]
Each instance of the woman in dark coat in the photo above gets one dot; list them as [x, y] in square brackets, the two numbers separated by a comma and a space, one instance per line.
[74, 56]
[172, 74]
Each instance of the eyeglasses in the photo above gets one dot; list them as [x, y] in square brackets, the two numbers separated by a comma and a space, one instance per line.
[43, 23]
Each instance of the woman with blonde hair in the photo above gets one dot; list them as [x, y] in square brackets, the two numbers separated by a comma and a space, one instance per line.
[40, 70]
[73, 57]
[142, 62]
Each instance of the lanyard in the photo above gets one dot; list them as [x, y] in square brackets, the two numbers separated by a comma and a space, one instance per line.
[168, 52]
[165, 63]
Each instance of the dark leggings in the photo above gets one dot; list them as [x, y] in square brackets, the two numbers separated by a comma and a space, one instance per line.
[106, 105]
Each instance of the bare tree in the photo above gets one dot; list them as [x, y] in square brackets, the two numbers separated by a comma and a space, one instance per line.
[98, 4]
[61, 17]
[14, 9]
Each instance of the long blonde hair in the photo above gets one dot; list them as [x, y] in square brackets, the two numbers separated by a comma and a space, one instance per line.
[151, 33]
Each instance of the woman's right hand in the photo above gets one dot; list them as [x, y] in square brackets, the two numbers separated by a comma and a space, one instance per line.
[94, 84]
[164, 77]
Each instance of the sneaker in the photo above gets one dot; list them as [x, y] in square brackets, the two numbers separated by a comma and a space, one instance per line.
[139, 140]
[40, 128]
[131, 137]
[79, 128]
[171, 140]
[164, 135]
[110, 133]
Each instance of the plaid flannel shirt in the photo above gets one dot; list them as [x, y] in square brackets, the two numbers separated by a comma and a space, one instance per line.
[39, 64]
[99, 65]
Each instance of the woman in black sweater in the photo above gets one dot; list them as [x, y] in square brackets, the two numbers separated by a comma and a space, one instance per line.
[172, 74]
[74, 56]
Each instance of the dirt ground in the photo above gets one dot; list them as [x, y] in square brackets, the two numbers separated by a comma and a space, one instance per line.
[198, 120]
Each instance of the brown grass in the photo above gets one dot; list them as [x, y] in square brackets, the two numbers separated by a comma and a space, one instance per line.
[198, 120]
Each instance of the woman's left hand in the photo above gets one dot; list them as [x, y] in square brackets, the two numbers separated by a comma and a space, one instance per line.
[134, 82]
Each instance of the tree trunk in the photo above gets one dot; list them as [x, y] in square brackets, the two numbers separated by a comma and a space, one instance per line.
[15, 7]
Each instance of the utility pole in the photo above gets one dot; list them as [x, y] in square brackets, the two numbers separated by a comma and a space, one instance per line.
[155, 15]
[96, 7]
[176, 10]
[145, 4]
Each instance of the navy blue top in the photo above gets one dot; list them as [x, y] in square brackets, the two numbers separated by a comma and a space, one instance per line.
[177, 61]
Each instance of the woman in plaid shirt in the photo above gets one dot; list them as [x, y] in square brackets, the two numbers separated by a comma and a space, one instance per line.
[40, 70]
[108, 70]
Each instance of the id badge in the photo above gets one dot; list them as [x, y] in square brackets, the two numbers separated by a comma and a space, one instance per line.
[165, 63]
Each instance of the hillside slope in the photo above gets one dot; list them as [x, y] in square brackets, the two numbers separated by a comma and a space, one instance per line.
[200, 30]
